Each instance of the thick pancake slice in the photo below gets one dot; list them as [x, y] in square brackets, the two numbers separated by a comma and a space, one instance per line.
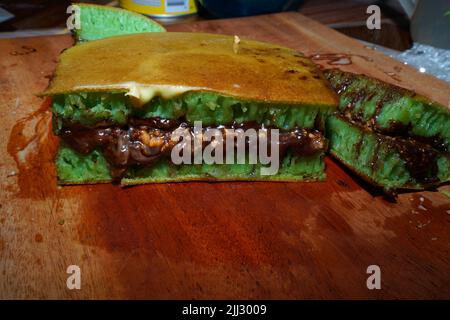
[388, 135]
[125, 93]
[389, 162]
[390, 109]
[168, 64]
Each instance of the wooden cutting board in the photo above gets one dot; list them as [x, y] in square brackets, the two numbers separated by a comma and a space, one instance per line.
[209, 240]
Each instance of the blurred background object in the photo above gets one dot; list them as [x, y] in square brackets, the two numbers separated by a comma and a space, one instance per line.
[241, 8]
[5, 15]
[162, 9]
[36, 17]
[401, 20]
[430, 24]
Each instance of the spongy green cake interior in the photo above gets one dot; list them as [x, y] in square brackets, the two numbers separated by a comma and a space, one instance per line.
[208, 107]
[371, 156]
[392, 108]
[389, 135]
[98, 22]
[74, 168]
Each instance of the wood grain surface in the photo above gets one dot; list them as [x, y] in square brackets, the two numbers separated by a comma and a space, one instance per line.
[209, 240]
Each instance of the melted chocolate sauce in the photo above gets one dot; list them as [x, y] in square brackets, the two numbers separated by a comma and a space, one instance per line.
[420, 158]
[395, 128]
[144, 141]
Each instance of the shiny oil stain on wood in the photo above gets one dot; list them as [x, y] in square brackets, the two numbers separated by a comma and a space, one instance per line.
[209, 240]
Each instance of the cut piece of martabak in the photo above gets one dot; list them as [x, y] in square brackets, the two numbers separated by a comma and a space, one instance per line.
[117, 102]
[388, 135]
[391, 110]
[99, 22]
[390, 162]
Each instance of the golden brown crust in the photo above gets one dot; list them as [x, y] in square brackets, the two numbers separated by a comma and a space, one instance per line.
[203, 62]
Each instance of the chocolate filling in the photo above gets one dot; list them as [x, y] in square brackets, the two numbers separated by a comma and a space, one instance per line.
[144, 141]
[420, 158]
[395, 128]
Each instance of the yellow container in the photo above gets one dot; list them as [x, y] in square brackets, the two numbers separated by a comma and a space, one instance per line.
[161, 8]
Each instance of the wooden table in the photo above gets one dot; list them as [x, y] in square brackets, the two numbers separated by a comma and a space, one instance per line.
[209, 240]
